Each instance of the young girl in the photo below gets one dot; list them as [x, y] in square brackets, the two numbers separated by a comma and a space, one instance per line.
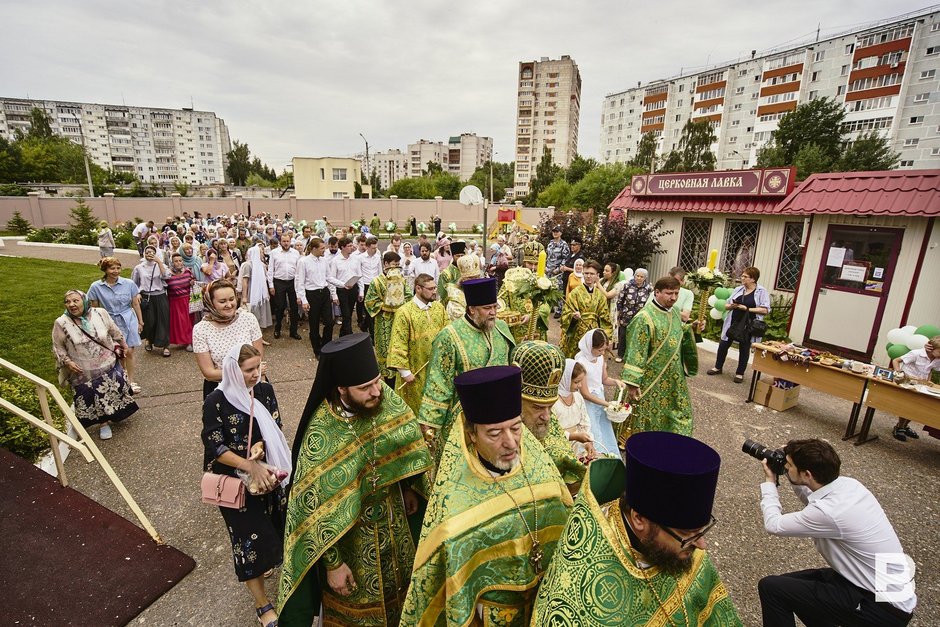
[570, 408]
[591, 351]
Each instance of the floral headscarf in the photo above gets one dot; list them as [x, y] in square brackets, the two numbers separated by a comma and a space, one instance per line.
[86, 305]
[209, 312]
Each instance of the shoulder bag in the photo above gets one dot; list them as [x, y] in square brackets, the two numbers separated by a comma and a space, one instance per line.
[117, 349]
[226, 490]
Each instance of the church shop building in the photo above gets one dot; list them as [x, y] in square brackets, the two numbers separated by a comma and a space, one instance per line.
[859, 252]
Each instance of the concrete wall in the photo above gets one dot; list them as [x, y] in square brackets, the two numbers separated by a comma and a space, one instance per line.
[44, 211]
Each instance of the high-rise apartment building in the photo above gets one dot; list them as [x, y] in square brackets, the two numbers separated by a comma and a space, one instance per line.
[547, 115]
[466, 152]
[390, 166]
[422, 152]
[887, 75]
[154, 144]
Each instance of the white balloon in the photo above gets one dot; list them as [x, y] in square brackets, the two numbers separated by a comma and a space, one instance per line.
[897, 336]
[916, 341]
[712, 300]
[909, 329]
[715, 314]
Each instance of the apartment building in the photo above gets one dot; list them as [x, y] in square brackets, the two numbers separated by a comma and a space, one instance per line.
[390, 165]
[156, 145]
[424, 151]
[886, 74]
[466, 152]
[327, 177]
[547, 115]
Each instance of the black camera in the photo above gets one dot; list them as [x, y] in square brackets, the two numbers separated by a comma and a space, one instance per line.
[776, 459]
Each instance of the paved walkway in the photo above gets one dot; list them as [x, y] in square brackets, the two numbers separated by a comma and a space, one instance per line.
[158, 454]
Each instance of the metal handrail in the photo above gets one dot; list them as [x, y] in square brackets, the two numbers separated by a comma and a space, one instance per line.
[84, 444]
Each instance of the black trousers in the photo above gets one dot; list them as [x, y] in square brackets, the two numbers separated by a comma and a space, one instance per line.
[321, 313]
[347, 305]
[744, 350]
[284, 296]
[621, 340]
[821, 596]
[365, 320]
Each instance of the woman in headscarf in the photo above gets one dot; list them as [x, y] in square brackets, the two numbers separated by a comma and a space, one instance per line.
[192, 261]
[612, 284]
[121, 298]
[87, 345]
[442, 255]
[577, 277]
[213, 269]
[570, 409]
[255, 287]
[178, 287]
[150, 277]
[240, 414]
[173, 248]
[227, 257]
[591, 349]
[632, 298]
[223, 326]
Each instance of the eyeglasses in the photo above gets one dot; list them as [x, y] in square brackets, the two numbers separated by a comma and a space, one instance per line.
[685, 543]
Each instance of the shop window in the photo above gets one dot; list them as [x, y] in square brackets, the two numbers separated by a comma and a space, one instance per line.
[791, 257]
[859, 259]
[739, 245]
[693, 245]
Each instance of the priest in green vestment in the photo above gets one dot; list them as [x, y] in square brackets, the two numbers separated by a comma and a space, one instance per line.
[456, 306]
[524, 308]
[660, 354]
[494, 517]
[414, 328]
[386, 294]
[475, 341]
[357, 450]
[450, 276]
[585, 308]
[633, 549]
[542, 365]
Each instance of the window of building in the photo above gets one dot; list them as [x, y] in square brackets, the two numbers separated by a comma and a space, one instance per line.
[928, 74]
[736, 107]
[338, 195]
[813, 95]
[840, 90]
[845, 70]
[739, 244]
[339, 174]
[791, 257]
[739, 90]
[922, 97]
[693, 249]
[322, 174]
[917, 119]
[849, 49]
[907, 163]
[819, 56]
[894, 34]
[935, 27]
[815, 77]
[735, 122]
[935, 151]
[909, 143]
[742, 72]
[866, 125]
[732, 140]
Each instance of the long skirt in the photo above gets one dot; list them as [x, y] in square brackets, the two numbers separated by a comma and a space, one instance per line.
[262, 311]
[257, 533]
[156, 319]
[601, 428]
[181, 322]
[106, 398]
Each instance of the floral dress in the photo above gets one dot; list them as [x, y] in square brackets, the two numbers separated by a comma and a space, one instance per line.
[256, 530]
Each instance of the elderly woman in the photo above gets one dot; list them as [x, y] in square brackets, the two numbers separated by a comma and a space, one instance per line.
[87, 347]
[236, 417]
[150, 277]
[632, 298]
[227, 257]
[213, 269]
[121, 298]
[192, 261]
[178, 286]
[747, 300]
[612, 283]
[172, 248]
[105, 239]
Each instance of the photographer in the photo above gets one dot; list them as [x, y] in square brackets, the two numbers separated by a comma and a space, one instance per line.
[850, 531]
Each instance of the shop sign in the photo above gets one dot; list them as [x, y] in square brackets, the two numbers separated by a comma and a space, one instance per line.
[768, 182]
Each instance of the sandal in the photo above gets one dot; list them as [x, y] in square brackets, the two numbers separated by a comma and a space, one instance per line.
[714, 371]
[739, 378]
[166, 352]
[148, 347]
[261, 611]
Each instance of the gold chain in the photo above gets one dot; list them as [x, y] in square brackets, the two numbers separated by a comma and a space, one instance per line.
[373, 463]
[535, 553]
[659, 600]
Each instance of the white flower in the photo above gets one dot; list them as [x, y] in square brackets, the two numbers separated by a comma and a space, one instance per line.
[707, 275]
[543, 283]
[703, 270]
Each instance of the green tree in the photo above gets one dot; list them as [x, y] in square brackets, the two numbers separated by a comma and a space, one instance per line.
[182, 189]
[695, 146]
[557, 194]
[434, 168]
[811, 159]
[545, 172]
[870, 151]
[285, 180]
[671, 162]
[82, 225]
[357, 189]
[815, 122]
[771, 155]
[601, 185]
[631, 245]
[40, 124]
[256, 180]
[446, 185]
[239, 163]
[645, 152]
[579, 168]
[18, 224]
[502, 179]
[420, 188]
[11, 161]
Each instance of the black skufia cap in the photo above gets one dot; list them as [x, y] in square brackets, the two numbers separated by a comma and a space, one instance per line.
[490, 395]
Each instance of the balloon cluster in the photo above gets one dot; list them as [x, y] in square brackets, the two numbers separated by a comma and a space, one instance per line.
[905, 339]
[717, 301]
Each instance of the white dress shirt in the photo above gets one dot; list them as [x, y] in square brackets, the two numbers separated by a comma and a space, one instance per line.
[311, 275]
[847, 525]
[371, 266]
[341, 269]
[420, 266]
[282, 264]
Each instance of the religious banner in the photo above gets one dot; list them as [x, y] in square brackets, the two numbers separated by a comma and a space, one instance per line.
[769, 182]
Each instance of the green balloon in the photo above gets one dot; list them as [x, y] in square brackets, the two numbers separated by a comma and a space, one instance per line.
[928, 331]
[888, 346]
[897, 350]
[720, 304]
[722, 293]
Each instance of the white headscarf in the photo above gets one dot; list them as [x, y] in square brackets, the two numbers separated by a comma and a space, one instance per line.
[577, 263]
[586, 347]
[277, 453]
[258, 286]
[564, 387]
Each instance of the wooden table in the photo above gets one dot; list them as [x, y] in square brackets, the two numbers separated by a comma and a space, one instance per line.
[901, 401]
[836, 382]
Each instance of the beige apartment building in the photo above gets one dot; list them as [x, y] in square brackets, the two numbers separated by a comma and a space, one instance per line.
[424, 151]
[156, 145]
[390, 165]
[327, 177]
[466, 152]
[547, 115]
[886, 74]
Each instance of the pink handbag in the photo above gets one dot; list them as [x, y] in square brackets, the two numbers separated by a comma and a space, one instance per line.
[225, 490]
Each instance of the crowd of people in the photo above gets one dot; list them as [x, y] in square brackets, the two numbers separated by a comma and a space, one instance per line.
[451, 466]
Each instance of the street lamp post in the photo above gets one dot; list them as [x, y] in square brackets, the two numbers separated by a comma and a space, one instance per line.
[81, 133]
[487, 206]
[368, 170]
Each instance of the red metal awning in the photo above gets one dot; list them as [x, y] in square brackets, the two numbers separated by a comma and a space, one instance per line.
[891, 192]
[702, 204]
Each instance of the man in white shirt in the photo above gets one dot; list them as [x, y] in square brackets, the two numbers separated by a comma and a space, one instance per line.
[851, 532]
[141, 232]
[315, 294]
[342, 271]
[424, 264]
[304, 237]
[919, 364]
[282, 268]
[394, 246]
[370, 263]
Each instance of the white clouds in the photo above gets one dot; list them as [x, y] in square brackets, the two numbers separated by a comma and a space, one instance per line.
[304, 78]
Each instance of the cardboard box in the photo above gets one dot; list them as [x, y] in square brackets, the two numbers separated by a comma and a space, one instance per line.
[776, 398]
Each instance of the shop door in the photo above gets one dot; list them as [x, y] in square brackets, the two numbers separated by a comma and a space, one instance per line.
[852, 288]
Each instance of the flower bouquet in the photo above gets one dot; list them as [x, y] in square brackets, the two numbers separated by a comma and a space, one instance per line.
[478, 228]
[390, 227]
[452, 227]
[705, 279]
[529, 286]
[422, 227]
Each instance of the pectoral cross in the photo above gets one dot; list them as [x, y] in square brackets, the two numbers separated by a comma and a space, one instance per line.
[535, 557]
[374, 479]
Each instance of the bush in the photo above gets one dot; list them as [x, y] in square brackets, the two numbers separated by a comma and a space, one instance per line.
[18, 224]
[124, 239]
[46, 234]
[82, 225]
[17, 435]
[781, 308]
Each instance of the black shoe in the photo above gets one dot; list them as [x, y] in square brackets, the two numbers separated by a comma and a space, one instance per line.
[910, 433]
[296, 336]
[714, 371]
[277, 335]
[556, 316]
[899, 434]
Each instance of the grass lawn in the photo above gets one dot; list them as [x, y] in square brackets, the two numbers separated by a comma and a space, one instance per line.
[31, 294]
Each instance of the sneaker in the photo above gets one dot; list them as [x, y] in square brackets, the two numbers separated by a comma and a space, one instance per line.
[910, 433]
[135, 389]
[899, 434]
[105, 432]
[189, 348]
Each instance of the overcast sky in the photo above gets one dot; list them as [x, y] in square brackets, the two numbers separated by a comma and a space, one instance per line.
[305, 78]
